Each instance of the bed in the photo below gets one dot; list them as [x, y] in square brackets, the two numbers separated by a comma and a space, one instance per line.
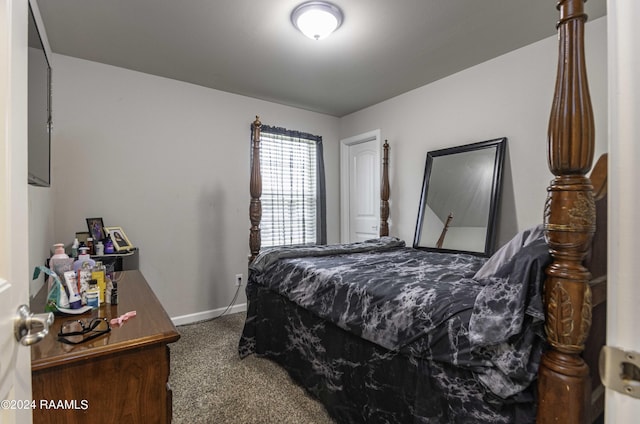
[380, 332]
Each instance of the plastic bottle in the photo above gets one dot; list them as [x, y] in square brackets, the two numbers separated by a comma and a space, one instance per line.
[108, 246]
[83, 257]
[83, 267]
[99, 249]
[114, 293]
[74, 248]
[90, 246]
[93, 294]
[58, 251]
[99, 274]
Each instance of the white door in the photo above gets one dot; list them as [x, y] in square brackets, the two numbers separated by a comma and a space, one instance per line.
[623, 291]
[360, 184]
[15, 359]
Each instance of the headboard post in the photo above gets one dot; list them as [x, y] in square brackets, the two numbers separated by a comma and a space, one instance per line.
[564, 385]
[384, 192]
[255, 186]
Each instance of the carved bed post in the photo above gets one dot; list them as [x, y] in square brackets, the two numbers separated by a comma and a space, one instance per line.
[255, 185]
[564, 384]
[384, 192]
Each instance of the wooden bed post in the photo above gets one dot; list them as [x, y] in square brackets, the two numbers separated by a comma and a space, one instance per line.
[564, 385]
[255, 186]
[384, 192]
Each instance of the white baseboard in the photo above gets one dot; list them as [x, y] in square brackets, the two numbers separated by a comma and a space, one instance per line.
[205, 315]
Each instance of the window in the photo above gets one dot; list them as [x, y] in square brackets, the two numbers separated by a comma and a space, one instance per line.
[292, 188]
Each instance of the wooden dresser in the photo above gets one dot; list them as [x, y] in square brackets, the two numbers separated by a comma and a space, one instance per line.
[121, 377]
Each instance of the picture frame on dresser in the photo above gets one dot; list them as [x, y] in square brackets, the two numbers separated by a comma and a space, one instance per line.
[96, 228]
[120, 240]
[82, 236]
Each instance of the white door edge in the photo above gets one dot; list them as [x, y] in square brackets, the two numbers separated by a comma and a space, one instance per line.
[623, 291]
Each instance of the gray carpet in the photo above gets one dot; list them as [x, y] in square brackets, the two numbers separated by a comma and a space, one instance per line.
[212, 385]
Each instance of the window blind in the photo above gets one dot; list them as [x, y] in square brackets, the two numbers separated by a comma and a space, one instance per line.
[289, 165]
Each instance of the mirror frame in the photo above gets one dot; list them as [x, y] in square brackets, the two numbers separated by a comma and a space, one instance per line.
[496, 189]
[39, 103]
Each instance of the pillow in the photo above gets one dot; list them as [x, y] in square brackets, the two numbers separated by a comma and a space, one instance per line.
[506, 252]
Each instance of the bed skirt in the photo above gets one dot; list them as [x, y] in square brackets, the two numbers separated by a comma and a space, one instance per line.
[360, 382]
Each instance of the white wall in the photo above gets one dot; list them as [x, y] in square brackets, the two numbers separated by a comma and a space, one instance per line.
[506, 96]
[169, 163]
[41, 237]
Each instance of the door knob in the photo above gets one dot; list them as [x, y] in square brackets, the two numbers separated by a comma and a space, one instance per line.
[24, 324]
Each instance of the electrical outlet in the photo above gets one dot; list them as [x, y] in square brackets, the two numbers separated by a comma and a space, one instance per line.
[239, 278]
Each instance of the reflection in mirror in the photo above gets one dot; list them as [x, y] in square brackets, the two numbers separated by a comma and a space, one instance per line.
[460, 197]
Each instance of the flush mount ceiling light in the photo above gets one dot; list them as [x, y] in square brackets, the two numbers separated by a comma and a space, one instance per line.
[316, 19]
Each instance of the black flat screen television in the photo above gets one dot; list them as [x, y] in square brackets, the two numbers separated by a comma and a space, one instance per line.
[39, 108]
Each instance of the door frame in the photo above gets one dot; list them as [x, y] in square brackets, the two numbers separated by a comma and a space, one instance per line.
[345, 167]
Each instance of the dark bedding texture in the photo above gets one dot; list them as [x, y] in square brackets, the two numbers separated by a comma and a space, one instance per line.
[382, 333]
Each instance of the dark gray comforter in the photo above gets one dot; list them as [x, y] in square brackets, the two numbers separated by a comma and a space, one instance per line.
[424, 306]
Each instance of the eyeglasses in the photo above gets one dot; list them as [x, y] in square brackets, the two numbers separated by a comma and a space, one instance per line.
[80, 331]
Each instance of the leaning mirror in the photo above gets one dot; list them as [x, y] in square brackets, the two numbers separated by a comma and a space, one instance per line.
[460, 197]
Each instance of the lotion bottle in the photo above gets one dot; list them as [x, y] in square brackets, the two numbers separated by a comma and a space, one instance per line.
[83, 257]
[59, 252]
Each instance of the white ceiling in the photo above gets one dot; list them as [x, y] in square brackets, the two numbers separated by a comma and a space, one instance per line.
[249, 47]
